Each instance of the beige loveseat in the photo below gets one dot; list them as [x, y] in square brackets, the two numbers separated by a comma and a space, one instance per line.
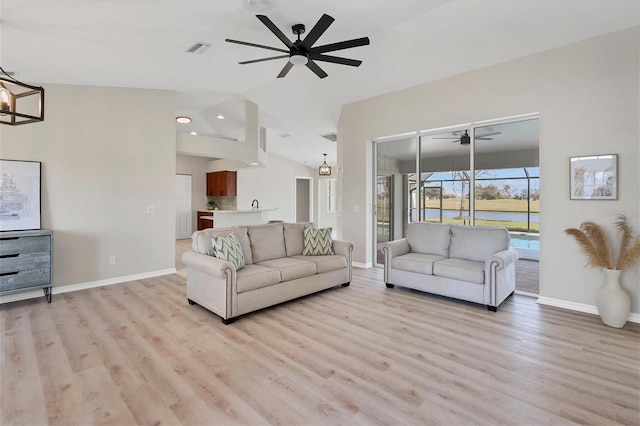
[275, 271]
[469, 263]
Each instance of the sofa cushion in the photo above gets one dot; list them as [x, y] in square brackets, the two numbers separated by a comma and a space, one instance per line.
[228, 248]
[317, 241]
[291, 268]
[254, 276]
[460, 269]
[326, 263]
[243, 237]
[294, 238]
[477, 242]
[429, 238]
[416, 262]
[267, 242]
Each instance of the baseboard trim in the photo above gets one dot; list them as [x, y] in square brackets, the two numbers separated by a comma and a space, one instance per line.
[580, 307]
[362, 265]
[83, 286]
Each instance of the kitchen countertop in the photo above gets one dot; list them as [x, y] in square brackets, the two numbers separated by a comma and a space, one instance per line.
[214, 212]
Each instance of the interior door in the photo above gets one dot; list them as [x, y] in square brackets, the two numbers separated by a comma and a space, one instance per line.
[303, 200]
[183, 207]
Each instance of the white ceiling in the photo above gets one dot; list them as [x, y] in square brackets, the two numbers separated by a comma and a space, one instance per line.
[142, 43]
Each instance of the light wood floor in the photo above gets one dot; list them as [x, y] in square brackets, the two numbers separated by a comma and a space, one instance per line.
[137, 353]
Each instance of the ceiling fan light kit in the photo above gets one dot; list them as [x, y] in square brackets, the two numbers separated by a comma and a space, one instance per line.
[20, 103]
[303, 52]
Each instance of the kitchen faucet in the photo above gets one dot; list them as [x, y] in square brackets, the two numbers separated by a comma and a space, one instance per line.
[257, 205]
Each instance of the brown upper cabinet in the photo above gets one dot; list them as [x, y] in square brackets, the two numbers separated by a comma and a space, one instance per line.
[221, 184]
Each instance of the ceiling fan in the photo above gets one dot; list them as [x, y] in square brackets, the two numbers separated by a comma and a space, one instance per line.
[466, 139]
[302, 52]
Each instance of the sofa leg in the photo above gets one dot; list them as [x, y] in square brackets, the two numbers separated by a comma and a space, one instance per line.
[227, 321]
[191, 302]
[389, 285]
[492, 308]
[346, 284]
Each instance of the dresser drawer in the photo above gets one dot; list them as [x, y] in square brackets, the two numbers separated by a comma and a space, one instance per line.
[23, 279]
[24, 244]
[24, 262]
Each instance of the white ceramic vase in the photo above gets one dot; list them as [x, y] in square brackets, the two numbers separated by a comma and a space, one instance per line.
[614, 303]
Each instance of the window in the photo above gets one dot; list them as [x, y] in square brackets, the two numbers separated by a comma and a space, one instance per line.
[332, 195]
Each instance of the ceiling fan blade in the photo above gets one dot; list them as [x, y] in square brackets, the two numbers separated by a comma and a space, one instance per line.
[256, 45]
[488, 134]
[336, 60]
[356, 42]
[316, 32]
[483, 139]
[263, 59]
[286, 69]
[275, 30]
[316, 69]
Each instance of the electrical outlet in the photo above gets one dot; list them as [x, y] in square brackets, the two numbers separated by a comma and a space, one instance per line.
[151, 209]
[112, 260]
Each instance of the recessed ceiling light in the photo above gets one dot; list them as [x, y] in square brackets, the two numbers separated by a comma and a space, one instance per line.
[254, 164]
[258, 5]
[220, 117]
[183, 120]
[193, 133]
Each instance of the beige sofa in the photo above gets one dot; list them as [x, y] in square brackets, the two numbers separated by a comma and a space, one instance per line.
[469, 263]
[276, 270]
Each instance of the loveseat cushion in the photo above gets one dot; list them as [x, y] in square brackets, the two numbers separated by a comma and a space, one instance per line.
[294, 238]
[326, 263]
[291, 268]
[477, 242]
[429, 238]
[255, 276]
[416, 262]
[460, 269]
[267, 242]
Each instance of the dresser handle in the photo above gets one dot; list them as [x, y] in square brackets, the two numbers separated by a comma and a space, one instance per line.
[9, 255]
[9, 273]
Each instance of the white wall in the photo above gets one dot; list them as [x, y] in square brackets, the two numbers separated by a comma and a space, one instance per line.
[197, 168]
[587, 95]
[273, 186]
[107, 154]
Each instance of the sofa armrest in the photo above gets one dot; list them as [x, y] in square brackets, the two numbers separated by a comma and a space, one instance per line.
[344, 248]
[395, 248]
[502, 259]
[209, 265]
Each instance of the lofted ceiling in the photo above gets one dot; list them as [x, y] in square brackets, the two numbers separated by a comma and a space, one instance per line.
[143, 43]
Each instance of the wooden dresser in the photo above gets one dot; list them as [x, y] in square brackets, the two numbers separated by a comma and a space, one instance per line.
[26, 261]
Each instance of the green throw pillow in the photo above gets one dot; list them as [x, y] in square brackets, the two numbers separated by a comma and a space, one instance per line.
[228, 248]
[317, 241]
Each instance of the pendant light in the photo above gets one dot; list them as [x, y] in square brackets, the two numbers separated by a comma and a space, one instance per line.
[324, 169]
[19, 102]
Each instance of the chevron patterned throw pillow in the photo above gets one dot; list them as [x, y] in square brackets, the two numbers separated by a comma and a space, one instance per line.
[228, 248]
[317, 241]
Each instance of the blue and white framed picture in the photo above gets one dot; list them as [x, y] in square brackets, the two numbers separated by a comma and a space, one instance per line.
[20, 195]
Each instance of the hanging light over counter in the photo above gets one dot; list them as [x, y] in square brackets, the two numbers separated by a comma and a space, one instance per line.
[20, 103]
[324, 169]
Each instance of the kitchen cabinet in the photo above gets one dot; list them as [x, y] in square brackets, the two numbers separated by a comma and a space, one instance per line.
[204, 223]
[221, 184]
[26, 262]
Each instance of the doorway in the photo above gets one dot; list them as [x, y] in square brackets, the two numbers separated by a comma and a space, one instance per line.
[303, 199]
[183, 206]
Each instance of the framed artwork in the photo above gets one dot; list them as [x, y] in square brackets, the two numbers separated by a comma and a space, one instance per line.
[594, 177]
[19, 195]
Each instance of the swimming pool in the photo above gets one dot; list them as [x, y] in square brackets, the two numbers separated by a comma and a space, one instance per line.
[528, 244]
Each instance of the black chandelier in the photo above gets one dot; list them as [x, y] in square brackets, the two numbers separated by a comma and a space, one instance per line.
[20, 103]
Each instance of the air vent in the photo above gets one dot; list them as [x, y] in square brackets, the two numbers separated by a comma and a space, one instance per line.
[330, 136]
[284, 135]
[198, 48]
